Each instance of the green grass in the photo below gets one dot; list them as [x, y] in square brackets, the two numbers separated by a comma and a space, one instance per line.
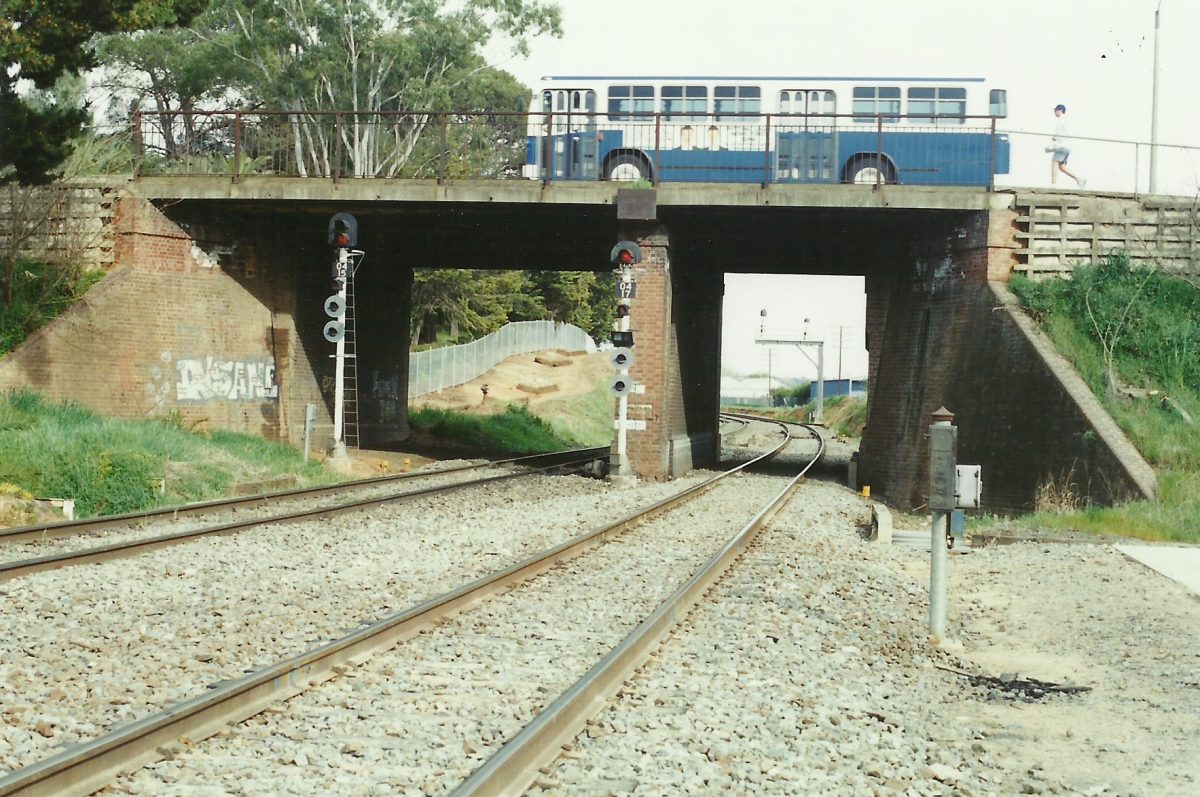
[515, 431]
[1151, 322]
[66, 451]
[845, 416]
[586, 420]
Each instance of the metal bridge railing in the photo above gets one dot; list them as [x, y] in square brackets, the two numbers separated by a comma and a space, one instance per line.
[661, 148]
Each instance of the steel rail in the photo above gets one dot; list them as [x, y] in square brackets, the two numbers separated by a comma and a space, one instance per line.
[67, 528]
[90, 766]
[117, 550]
[515, 766]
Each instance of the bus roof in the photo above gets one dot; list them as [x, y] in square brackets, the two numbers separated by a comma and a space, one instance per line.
[770, 78]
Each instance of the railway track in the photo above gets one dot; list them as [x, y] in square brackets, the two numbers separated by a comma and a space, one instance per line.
[94, 764]
[130, 534]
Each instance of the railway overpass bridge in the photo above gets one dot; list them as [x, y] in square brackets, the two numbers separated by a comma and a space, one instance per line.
[215, 308]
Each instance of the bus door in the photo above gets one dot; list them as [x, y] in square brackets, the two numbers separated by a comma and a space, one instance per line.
[570, 148]
[806, 136]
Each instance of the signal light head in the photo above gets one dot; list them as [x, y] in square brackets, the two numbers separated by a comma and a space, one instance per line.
[343, 230]
[625, 253]
[623, 309]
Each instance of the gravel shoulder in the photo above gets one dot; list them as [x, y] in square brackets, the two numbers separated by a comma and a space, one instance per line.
[811, 673]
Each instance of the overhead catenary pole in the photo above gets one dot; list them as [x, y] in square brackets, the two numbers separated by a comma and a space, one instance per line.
[819, 363]
[1154, 108]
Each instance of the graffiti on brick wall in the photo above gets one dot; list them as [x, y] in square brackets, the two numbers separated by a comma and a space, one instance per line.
[211, 378]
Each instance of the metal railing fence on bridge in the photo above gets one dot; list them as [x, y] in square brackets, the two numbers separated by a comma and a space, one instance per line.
[764, 148]
[438, 369]
[758, 148]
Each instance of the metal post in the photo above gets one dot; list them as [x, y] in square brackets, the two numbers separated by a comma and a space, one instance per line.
[623, 468]
[237, 146]
[1154, 109]
[657, 147]
[943, 456]
[444, 152]
[878, 151]
[939, 555]
[310, 417]
[992, 157]
[138, 145]
[337, 147]
[339, 371]
[767, 153]
[820, 382]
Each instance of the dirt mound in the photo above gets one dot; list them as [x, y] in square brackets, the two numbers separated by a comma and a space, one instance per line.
[527, 379]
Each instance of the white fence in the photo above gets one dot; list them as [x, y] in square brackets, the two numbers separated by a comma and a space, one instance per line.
[438, 369]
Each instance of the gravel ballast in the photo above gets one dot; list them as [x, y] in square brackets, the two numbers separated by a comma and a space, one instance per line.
[807, 670]
[91, 647]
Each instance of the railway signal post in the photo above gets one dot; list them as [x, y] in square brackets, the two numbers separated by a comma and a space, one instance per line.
[342, 236]
[623, 257]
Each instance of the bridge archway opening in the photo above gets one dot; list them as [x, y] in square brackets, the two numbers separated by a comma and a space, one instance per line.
[779, 333]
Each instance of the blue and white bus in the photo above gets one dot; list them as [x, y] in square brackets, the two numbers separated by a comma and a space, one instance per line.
[922, 130]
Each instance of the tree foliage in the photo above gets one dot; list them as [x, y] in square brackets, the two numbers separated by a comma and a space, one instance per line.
[387, 65]
[40, 42]
[462, 305]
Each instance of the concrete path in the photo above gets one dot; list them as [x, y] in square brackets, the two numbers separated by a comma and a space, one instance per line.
[1175, 562]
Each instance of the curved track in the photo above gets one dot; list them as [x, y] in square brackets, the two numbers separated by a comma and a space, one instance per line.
[92, 765]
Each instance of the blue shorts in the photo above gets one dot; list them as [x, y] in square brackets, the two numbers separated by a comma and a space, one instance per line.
[1061, 154]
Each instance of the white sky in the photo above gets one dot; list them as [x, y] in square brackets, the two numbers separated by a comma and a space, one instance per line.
[1095, 56]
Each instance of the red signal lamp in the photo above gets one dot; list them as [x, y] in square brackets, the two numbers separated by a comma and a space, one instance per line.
[625, 253]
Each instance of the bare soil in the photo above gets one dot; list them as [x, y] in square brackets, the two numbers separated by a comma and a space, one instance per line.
[527, 379]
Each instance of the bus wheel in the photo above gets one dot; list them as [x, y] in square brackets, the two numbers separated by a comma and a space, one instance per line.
[869, 170]
[627, 168]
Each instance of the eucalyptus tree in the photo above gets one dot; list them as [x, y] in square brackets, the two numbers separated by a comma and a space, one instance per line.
[359, 82]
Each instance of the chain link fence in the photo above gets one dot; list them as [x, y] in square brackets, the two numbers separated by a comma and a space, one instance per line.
[438, 369]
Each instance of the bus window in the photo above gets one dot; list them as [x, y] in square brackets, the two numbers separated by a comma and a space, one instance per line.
[822, 102]
[547, 101]
[998, 103]
[736, 100]
[872, 101]
[684, 103]
[806, 102]
[624, 101]
[934, 105]
[583, 102]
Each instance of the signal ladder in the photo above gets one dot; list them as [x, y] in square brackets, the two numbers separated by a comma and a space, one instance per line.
[350, 374]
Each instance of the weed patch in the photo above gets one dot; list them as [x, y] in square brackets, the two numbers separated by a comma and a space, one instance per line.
[109, 467]
[1134, 336]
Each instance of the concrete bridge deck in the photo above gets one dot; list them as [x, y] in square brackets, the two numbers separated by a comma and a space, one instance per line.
[221, 277]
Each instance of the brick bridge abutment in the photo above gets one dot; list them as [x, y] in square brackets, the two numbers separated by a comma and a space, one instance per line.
[213, 310]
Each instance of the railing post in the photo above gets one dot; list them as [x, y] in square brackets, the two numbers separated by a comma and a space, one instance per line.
[444, 153]
[767, 152]
[992, 158]
[1137, 168]
[138, 145]
[657, 146]
[878, 150]
[547, 148]
[237, 145]
[336, 170]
